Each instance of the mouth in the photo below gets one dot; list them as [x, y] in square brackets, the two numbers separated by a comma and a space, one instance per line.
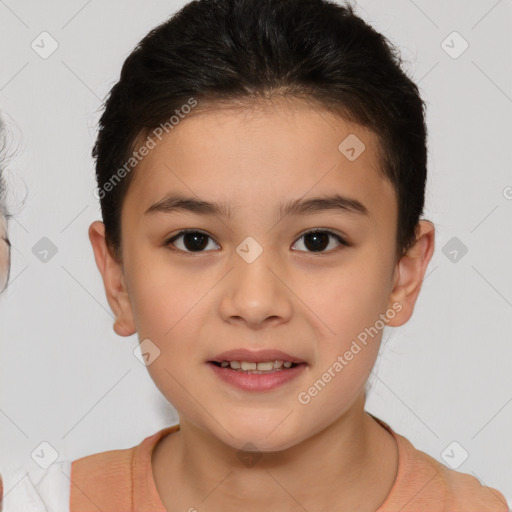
[254, 379]
[246, 359]
[263, 367]
[256, 371]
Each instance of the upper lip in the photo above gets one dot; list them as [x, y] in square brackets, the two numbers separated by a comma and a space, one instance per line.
[256, 356]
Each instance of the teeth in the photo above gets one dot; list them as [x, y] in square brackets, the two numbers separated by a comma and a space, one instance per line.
[266, 366]
[262, 366]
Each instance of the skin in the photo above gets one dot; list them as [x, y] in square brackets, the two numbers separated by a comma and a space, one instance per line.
[329, 453]
[4, 253]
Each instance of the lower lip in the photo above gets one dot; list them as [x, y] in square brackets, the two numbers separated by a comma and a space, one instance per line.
[257, 381]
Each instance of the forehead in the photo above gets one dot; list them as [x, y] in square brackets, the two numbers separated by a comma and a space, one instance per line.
[253, 157]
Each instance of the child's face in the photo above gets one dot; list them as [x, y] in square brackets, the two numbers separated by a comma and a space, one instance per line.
[312, 305]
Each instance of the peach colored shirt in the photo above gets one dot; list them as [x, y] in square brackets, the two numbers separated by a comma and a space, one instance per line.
[122, 481]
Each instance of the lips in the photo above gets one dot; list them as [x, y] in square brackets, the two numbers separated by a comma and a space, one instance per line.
[257, 381]
[256, 356]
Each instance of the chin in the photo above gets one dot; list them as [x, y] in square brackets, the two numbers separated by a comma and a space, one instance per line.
[261, 435]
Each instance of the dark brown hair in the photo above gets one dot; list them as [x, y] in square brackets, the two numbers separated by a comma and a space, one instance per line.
[239, 51]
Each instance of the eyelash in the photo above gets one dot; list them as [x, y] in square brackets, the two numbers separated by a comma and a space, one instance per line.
[170, 241]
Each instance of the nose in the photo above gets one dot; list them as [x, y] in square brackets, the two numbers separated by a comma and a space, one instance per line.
[256, 293]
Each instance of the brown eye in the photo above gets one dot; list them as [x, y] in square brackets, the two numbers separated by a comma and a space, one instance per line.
[192, 240]
[318, 240]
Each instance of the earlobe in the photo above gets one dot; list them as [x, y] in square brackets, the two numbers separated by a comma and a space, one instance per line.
[113, 280]
[410, 273]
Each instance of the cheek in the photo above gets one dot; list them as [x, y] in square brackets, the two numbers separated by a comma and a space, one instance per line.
[169, 309]
[160, 294]
[357, 295]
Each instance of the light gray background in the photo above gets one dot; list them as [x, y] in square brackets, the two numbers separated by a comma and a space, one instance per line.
[68, 379]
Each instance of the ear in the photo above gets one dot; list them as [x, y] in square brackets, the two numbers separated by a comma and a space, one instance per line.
[114, 281]
[410, 272]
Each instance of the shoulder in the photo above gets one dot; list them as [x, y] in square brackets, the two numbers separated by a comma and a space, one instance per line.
[436, 483]
[101, 479]
[423, 484]
[110, 480]
[38, 490]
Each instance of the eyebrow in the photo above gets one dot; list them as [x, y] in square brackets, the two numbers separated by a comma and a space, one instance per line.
[176, 202]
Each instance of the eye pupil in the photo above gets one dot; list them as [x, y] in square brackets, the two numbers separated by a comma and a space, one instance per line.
[320, 241]
[198, 241]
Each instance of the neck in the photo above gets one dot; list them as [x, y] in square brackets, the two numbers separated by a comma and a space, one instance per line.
[333, 468]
